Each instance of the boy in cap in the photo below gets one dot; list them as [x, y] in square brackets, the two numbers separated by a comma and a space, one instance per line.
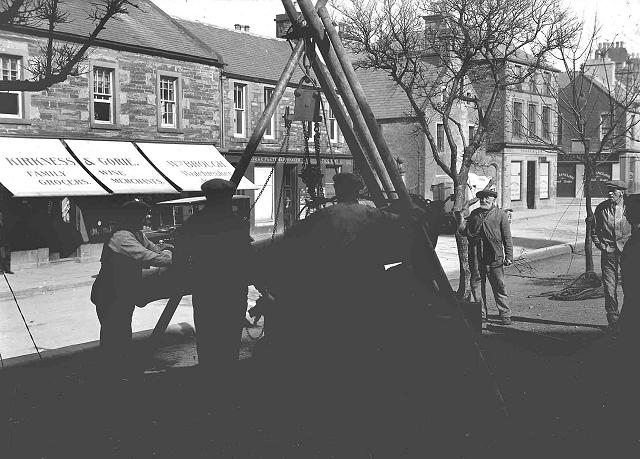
[610, 233]
[117, 285]
[214, 249]
[490, 248]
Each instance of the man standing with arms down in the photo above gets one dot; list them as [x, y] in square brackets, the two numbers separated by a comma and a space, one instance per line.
[213, 249]
[611, 232]
[490, 248]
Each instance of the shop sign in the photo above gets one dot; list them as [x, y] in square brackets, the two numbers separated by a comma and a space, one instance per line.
[43, 167]
[190, 165]
[119, 166]
[298, 160]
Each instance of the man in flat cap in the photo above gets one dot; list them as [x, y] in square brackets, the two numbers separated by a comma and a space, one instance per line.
[490, 248]
[610, 233]
[117, 286]
[213, 248]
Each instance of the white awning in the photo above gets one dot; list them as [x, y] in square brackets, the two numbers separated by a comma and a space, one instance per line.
[190, 165]
[193, 200]
[120, 166]
[43, 167]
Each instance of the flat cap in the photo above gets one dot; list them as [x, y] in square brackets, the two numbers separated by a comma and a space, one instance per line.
[347, 181]
[483, 193]
[136, 207]
[218, 186]
[616, 184]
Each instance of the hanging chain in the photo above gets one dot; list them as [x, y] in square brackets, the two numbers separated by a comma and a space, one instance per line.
[284, 147]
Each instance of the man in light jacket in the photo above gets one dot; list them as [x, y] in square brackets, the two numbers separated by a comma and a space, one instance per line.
[490, 248]
[610, 234]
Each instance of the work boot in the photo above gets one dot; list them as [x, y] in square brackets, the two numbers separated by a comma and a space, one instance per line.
[504, 320]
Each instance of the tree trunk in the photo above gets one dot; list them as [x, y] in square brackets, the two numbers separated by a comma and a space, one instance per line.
[464, 284]
[589, 220]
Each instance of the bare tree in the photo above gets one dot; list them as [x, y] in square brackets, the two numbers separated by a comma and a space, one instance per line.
[598, 109]
[452, 55]
[57, 59]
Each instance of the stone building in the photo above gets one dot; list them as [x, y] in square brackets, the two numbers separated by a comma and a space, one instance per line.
[150, 115]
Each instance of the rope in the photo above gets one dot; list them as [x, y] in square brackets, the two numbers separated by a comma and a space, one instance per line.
[22, 315]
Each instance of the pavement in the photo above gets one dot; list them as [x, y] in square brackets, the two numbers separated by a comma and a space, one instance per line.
[537, 234]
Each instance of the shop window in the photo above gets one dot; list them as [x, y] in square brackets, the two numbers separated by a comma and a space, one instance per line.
[270, 131]
[566, 181]
[239, 110]
[104, 95]
[440, 138]
[516, 171]
[516, 122]
[603, 173]
[169, 100]
[263, 209]
[546, 122]
[532, 127]
[544, 180]
[11, 102]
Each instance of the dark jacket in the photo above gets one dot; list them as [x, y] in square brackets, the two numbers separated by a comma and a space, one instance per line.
[490, 227]
[214, 248]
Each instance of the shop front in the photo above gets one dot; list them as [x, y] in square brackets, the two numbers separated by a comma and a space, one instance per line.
[59, 197]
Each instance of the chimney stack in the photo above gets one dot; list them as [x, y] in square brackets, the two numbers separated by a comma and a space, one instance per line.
[246, 28]
[237, 26]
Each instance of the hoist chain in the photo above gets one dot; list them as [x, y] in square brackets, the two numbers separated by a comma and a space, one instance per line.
[284, 147]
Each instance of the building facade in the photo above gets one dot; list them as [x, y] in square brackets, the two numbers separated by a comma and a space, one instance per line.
[153, 87]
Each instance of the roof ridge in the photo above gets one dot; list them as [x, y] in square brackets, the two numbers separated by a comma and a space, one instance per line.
[208, 24]
[186, 31]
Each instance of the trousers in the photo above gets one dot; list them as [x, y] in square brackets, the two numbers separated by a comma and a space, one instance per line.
[479, 276]
[610, 266]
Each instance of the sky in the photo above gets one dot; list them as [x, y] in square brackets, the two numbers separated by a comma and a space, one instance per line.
[620, 19]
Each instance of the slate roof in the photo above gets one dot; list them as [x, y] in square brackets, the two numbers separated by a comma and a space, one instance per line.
[386, 99]
[147, 28]
[245, 54]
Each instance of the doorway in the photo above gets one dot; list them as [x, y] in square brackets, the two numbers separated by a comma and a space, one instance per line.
[531, 184]
[290, 190]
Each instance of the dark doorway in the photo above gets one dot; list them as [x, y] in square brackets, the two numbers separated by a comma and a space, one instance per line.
[290, 194]
[531, 184]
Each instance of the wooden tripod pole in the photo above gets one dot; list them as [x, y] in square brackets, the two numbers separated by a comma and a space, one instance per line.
[328, 87]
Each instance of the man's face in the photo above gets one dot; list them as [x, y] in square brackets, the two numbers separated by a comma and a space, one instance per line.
[615, 195]
[486, 202]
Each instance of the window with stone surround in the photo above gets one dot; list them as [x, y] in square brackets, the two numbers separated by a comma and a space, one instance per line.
[516, 122]
[270, 131]
[239, 110]
[532, 127]
[103, 103]
[440, 138]
[11, 102]
[546, 123]
[168, 101]
[169, 87]
[103, 97]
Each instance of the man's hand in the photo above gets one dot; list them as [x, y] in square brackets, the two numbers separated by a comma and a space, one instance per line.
[507, 262]
[165, 246]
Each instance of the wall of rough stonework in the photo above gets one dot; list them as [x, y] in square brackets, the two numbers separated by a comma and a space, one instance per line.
[63, 110]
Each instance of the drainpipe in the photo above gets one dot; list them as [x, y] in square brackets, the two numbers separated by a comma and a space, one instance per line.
[222, 114]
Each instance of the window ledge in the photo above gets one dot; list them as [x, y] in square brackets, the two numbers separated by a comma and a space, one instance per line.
[170, 130]
[14, 121]
[110, 127]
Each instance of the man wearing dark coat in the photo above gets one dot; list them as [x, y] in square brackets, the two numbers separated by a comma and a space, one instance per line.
[213, 248]
[490, 248]
[117, 287]
[630, 267]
